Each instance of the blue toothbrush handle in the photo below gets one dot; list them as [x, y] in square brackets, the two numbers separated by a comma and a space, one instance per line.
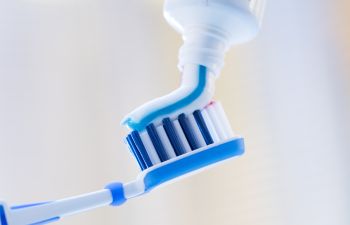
[46, 212]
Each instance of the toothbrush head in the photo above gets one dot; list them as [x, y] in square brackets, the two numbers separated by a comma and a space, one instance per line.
[181, 146]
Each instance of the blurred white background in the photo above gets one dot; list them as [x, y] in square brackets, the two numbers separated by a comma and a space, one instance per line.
[70, 70]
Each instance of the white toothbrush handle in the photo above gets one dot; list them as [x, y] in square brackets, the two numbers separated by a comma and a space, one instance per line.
[41, 213]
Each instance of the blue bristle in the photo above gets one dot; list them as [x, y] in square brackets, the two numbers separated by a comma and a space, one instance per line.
[158, 145]
[141, 148]
[203, 127]
[188, 131]
[173, 137]
[135, 152]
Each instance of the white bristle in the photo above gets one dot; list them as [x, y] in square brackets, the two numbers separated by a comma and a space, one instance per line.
[151, 151]
[216, 122]
[181, 135]
[196, 131]
[224, 119]
[220, 120]
[165, 141]
[210, 126]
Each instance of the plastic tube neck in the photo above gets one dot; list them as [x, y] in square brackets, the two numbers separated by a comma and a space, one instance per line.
[204, 45]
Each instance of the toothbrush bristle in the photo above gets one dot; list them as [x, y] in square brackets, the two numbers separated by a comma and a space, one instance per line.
[175, 137]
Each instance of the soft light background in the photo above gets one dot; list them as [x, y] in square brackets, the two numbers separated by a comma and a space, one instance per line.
[70, 70]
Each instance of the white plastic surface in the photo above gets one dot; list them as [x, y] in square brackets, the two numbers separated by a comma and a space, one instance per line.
[135, 188]
[60, 208]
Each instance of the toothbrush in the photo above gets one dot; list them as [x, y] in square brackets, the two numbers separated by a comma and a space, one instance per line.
[179, 134]
[165, 152]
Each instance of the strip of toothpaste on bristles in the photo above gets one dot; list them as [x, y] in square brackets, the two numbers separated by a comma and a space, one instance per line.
[196, 91]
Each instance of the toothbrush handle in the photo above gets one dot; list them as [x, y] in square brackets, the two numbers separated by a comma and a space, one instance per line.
[40, 213]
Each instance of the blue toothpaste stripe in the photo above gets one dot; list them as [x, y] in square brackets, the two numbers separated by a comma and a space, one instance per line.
[174, 106]
[188, 131]
[157, 143]
[141, 148]
[203, 127]
[173, 137]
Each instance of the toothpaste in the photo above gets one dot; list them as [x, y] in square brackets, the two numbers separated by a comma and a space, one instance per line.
[195, 92]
